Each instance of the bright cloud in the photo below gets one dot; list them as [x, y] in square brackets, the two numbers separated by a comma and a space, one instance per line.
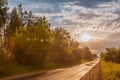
[99, 18]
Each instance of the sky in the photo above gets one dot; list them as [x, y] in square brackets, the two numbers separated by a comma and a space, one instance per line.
[98, 18]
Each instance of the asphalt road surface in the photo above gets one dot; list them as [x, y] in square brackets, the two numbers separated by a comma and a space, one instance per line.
[72, 73]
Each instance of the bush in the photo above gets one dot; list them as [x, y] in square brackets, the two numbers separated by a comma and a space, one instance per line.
[112, 54]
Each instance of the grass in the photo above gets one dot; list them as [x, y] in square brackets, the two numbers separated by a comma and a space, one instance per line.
[11, 69]
[110, 71]
[62, 65]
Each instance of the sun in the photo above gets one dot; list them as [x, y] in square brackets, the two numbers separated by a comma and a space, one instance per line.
[85, 37]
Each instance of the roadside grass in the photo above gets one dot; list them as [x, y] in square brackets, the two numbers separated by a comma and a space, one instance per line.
[110, 70]
[11, 69]
[62, 65]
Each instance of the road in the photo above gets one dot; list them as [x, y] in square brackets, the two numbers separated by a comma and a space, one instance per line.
[72, 73]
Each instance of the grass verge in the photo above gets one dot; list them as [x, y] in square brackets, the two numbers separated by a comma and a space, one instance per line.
[110, 70]
[12, 68]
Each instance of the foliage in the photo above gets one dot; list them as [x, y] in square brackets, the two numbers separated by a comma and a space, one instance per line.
[12, 68]
[3, 11]
[61, 43]
[36, 44]
[86, 53]
[112, 54]
[30, 41]
[2, 57]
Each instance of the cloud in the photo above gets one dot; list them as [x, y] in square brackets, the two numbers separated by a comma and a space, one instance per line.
[90, 3]
[99, 18]
[114, 37]
[48, 1]
[111, 40]
[45, 8]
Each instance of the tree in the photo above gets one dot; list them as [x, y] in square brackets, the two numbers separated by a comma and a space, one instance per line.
[15, 23]
[20, 12]
[86, 53]
[33, 43]
[61, 43]
[3, 11]
[112, 54]
[76, 50]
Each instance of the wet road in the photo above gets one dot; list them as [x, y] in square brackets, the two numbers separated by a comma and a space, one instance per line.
[72, 73]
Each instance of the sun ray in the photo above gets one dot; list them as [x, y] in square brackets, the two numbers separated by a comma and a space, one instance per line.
[85, 37]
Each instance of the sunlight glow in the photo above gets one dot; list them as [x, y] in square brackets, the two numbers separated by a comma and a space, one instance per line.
[85, 37]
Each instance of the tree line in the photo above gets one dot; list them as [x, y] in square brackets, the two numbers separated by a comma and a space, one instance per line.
[112, 54]
[29, 40]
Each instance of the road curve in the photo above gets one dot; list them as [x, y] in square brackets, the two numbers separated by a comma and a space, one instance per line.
[72, 73]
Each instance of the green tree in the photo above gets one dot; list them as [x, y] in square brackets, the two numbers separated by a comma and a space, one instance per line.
[76, 50]
[3, 11]
[20, 11]
[61, 44]
[86, 53]
[36, 40]
[112, 54]
[15, 22]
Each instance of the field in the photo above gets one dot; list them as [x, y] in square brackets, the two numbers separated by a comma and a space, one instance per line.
[110, 71]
